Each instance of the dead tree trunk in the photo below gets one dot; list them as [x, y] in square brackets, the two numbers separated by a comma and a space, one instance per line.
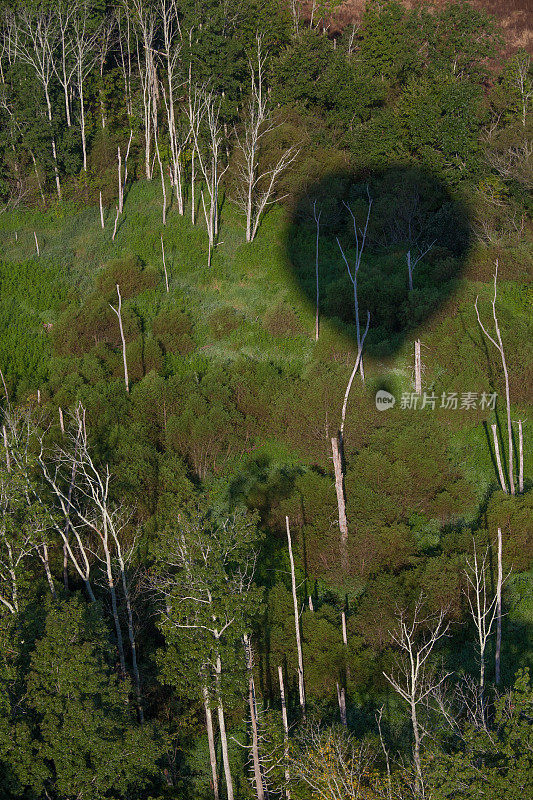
[258, 776]
[339, 488]
[520, 457]
[115, 226]
[164, 263]
[285, 729]
[211, 742]
[101, 212]
[498, 344]
[222, 730]
[131, 629]
[497, 457]
[499, 583]
[341, 699]
[418, 368]
[301, 684]
[344, 632]
[120, 196]
[118, 312]
[317, 222]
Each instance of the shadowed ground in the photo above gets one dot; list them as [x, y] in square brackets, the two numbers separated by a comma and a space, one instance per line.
[413, 217]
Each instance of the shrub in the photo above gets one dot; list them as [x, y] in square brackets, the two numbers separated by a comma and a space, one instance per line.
[223, 321]
[282, 321]
[78, 330]
[173, 330]
[130, 274]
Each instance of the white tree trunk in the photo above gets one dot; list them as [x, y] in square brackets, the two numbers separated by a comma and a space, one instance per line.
[54, 151]
[520, 457]
[114, 606]
[418, 368]
[120, 196]
[285, 728]
[164, 264]
[499, 583]
[419, 783]
[118, 312]
[115, 226]
[301, 683]
[341, 699]
[131, 630]
[258, 776]
[193, 178]
[344, 632]
[498, 459]
[223, 735]
[211, 742]
[82, 123]
[339, 488]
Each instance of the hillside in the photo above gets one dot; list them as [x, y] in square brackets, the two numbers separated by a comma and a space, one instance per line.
[266, 384]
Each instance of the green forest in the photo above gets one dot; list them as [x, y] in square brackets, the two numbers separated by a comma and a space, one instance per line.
[266, 372]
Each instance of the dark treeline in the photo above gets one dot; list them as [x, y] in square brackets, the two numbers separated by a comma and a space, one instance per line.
[224, 573]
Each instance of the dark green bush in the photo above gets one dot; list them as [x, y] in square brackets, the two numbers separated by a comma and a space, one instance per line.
[130, 274]
[173, 330]
[282, 321]
[223, 321]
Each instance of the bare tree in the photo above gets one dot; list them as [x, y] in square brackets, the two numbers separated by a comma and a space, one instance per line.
[337, 447]
[514, 163]
[257, 183]
[85, 54]
[332, 763]
[413, 261]
[33, 34]
[159, 161]
[194, 116]
[206, 109]
[118, 312]
[360, 241]
[21, 436]
[414, 679]
[358, 364]
[66, 12]
[15, 540]
[123, 19]
[256, 761]
[483, 607]
[172, 45]
[523, 82]
[146, 23]
[91, 512]
[103, 46]
[498, 344]
[205, 584]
